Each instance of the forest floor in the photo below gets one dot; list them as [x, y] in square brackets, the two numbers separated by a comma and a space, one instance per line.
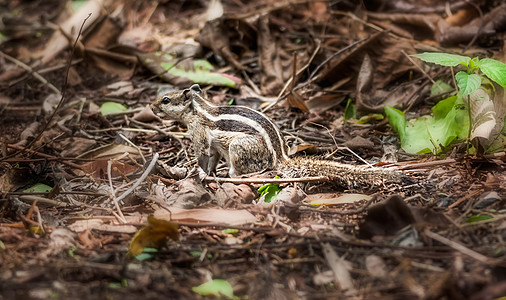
[100, 199]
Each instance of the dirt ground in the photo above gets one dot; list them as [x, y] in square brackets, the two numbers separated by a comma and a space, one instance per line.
[101, 199]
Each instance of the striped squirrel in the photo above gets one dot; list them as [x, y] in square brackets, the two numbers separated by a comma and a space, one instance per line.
[250, 142]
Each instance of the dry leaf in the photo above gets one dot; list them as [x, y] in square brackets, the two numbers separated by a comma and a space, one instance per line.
[154, 235]
[240, 193]
[330, 199]
[340, 268]
[487, 115]
[207, 215]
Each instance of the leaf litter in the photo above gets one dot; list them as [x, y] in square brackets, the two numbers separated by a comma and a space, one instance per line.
[438, 235]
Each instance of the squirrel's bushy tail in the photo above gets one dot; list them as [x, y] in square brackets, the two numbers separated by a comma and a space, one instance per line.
[343, 174]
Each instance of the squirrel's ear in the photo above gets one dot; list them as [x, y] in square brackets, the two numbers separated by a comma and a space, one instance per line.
[196, 89]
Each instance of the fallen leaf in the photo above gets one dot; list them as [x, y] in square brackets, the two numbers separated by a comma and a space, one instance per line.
[340, 268]
[240, 193]
[215, 287]
[190, 194]
[109, 108]
[331, 199]
[487, 114]
[38, 188]
[154, 235]
[169, 67]
[206, 215]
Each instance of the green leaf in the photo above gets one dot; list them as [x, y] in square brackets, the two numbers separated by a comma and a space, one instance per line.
[443, 59]
[38, 188]
[171, 69]
[495, 70]
[149, 250]
[432, 134]
[270, 190]
[215, 287]
[200, 75]
[370, 118]
[147, 253]
[230, 231]
[123, 283]
[109, 108]
[467, 83]
[478, 218]
[397, 120]
[443, 107]
[350, 110]
[144, 256]
[72, 251]
[2, 245]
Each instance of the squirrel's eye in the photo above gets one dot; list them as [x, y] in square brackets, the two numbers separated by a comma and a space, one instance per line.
[165, 100]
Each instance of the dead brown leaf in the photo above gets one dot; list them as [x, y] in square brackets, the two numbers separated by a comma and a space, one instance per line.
[206, 215]
[154, 235]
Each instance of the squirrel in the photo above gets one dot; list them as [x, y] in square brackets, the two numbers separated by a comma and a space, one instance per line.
[251, 142]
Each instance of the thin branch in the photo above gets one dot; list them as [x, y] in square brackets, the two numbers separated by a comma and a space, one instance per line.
[119, 215]
[141, 179]
[464, 250]
[31, 71]
[421, 69]
[46, 156]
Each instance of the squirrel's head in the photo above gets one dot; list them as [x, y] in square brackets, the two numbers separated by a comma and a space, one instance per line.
[176, 104]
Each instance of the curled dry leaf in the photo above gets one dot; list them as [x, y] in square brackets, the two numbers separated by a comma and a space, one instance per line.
[240, 193]
[154, 235]
[487, 116]
[146, 115]
[190, 195]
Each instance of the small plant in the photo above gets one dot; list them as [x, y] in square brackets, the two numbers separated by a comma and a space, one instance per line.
[270, 190]
[475, 113]
[468, 81]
